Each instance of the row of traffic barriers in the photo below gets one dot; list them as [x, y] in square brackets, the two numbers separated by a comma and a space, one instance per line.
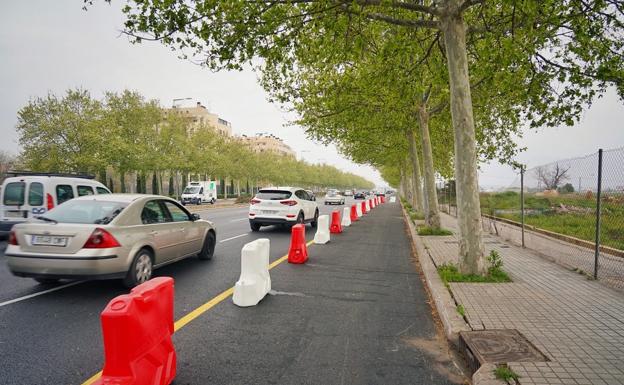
[137, 327]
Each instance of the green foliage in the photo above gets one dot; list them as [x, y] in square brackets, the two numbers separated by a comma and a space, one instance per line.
[415, 215]
[460, 309]
[566, 189]
[505, 373]
[495, 261]
[77, 133]
[426, 230]
[450, 273]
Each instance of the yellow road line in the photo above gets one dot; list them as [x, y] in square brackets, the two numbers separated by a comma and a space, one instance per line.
[179, 324]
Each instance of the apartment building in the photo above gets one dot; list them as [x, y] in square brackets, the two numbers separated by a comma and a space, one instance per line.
[265, 142]
[199, 115]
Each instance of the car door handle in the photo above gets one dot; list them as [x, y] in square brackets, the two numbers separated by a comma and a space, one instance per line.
[154, 232]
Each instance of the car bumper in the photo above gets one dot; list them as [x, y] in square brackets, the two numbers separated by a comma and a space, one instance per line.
[272, 221]
[104, 264]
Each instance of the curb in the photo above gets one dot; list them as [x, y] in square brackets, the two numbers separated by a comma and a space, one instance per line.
[452, 322]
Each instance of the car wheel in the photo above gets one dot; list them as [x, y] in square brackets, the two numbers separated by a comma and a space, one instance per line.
[212, 202]
[140, 270]
[300, 219]
[208, 248]
[47, 281]
[315, 221]
[254, 226]
[199, 201]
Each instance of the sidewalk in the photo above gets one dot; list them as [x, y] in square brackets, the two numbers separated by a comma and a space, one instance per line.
[577, 323]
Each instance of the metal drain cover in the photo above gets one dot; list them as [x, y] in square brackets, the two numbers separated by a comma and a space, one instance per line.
[497, 346]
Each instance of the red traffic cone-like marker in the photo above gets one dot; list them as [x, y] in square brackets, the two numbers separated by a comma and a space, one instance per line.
[298, 252]
[364, 207]
[354, 216]
[335, 227]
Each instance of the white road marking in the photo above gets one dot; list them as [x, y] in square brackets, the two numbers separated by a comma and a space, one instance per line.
[229, 239]
[239, 219]
[39, 293]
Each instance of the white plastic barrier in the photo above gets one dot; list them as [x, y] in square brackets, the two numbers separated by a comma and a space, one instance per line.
[254, 282]
[346, 217]
[358, 210]
[392, 199]
[368, 206]
[373, 202]
[322, 230]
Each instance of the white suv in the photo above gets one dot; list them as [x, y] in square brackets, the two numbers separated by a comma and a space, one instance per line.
[282, 206]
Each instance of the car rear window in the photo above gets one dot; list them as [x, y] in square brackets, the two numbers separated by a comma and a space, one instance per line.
[14, 193]
[80, 211]
[273, 195]
[35, 194]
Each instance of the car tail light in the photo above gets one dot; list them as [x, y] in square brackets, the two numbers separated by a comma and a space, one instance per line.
[289, 203]
[13, 239]
[100, 239]
[49, 201]
[255, 201]
[290, 215]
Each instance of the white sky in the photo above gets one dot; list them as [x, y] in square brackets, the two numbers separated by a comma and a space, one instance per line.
[55, 45]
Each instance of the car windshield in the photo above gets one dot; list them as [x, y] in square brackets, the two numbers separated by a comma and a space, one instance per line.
[191, 190]
[273, 195]
[81, 211]
[331, 194]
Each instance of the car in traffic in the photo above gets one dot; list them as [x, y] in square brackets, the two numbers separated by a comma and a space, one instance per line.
[360, 195]
[334, 198]
[108, 236]
[348, 193]
[282, 206]
[199, 192]
[26, 195]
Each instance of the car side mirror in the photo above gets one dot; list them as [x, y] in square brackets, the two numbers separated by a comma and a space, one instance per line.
[195, 217]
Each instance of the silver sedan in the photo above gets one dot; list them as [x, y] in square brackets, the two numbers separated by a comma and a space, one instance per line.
[108, 236]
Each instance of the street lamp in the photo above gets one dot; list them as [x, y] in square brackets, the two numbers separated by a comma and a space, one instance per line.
[173, 104]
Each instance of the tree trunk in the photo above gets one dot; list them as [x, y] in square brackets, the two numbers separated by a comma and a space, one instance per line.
[122, 181]
[432, 214]
[225, 186]
[417, 198]
[471, 248]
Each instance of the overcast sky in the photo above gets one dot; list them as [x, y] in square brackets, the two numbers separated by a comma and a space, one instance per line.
[50, 46]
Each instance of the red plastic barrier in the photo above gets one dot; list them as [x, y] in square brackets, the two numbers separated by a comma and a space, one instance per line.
[354, 216]
[137, 329]
[364, 208]
[298, 252]
[383, 199]
[336, 226]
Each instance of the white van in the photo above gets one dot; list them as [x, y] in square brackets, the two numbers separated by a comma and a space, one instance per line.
[28, 195]
[199, 192]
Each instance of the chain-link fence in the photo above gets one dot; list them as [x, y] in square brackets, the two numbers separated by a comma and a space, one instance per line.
[571, 211]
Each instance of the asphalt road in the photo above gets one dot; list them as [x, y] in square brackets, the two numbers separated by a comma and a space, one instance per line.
[355, 314]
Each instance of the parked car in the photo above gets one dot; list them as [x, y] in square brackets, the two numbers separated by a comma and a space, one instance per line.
[282, 206]
[27, 195]
[333, 198]
[108, 236]
[360, 195]
[348, 193]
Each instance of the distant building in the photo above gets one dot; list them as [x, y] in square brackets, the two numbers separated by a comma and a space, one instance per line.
[268, 143]
[199, 115]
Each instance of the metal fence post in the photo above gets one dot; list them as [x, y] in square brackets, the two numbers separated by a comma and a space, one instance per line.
[598, 214]
[522, 201]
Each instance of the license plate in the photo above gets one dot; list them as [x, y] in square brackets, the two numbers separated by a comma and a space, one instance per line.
[47, 240]
[270, 212]
[14, 214]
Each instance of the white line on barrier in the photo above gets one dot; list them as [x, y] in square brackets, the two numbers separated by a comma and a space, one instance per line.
[39, 293]
[229, 239]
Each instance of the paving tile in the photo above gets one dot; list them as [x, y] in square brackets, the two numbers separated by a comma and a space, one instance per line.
[575, 322]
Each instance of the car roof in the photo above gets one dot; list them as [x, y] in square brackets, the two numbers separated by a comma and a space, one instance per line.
[58, 179]
[288, 188]
[119, 197]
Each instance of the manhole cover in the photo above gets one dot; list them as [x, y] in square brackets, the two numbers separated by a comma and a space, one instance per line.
[497, 347]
